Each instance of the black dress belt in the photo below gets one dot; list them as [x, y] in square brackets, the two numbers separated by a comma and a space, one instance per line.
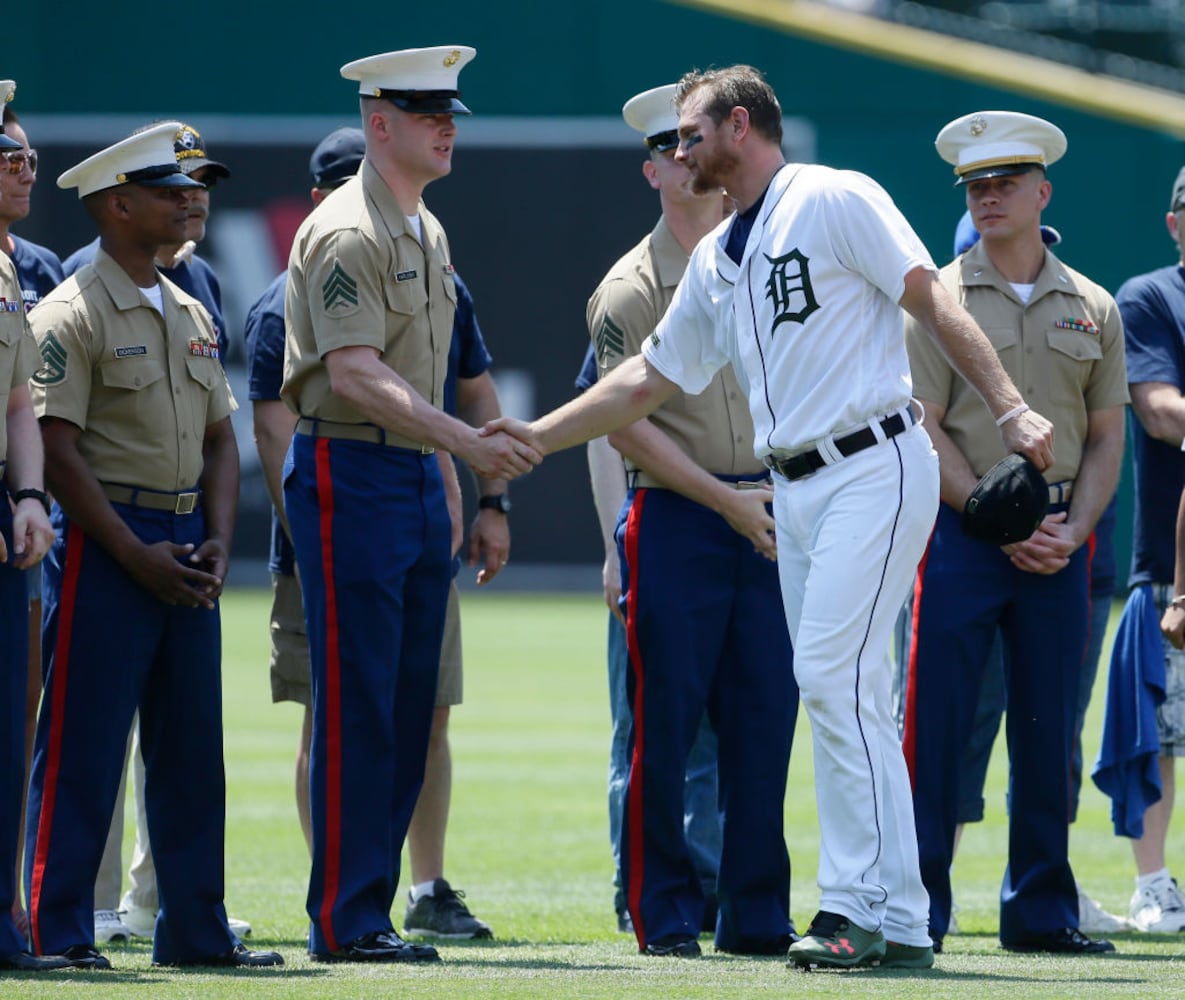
[806, 462]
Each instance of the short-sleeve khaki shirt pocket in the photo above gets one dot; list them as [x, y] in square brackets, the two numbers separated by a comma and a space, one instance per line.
[129, 377]
[1003, 338]
[1072, 356]
[406, 296]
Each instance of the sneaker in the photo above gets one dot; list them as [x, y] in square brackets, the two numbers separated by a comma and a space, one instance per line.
[1093, 919]
[1158, 908]
[141, 921]
[443, 915]
[834, 941]
[108, 927]
[625, 923]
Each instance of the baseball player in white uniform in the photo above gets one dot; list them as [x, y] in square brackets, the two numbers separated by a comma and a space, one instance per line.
[800, 291]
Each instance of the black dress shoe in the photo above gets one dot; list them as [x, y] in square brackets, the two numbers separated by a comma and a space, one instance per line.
[674, 947]
[240, 957]
[379, 946]
[22, 961]
[1066, 941]
[85, 956]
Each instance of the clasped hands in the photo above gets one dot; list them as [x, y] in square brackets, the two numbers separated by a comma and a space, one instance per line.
[507, 448]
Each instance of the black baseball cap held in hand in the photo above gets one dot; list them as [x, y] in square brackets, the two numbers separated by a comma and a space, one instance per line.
[1008, 503]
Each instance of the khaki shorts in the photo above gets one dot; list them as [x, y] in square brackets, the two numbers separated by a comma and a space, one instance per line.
[1170, 717]
[448, 688]
[290, 647]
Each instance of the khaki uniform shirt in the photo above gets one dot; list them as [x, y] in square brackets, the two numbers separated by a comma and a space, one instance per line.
[142, 387]
[359, 277]
[18, 349]
[714, 429]
[1064, 352]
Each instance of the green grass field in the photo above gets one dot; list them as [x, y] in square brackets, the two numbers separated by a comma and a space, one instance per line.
[528, 843]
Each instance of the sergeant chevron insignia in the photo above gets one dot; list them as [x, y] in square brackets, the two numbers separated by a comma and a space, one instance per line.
[339, 291]
[53, 360]
[610, 339]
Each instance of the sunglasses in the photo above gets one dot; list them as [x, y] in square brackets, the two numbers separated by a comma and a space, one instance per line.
[16, 160]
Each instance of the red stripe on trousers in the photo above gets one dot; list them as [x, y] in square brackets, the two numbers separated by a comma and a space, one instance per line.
[910, 736]
[634, 788]
[57, 700]
[332, 696]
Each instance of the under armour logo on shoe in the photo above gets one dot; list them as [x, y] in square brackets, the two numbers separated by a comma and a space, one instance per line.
[841, 946]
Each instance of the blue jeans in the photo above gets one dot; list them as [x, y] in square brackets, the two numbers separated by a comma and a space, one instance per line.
[701, 819]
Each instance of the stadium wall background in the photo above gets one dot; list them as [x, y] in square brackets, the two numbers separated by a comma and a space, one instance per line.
[546, 190]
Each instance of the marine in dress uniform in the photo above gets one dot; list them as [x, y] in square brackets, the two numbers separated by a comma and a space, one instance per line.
[1060, 339]
[369, 315]
[24, 525]
[142, 461]
[702, 606]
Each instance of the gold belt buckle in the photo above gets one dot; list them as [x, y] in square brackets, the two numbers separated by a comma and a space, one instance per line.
[186, 503]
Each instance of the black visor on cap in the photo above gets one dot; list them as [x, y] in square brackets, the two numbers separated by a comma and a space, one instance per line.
[1008, 503]
[427, 102]
[661, 142]
[165, 175]
[999, 170]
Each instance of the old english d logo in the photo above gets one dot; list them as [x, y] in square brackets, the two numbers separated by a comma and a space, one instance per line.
[789, 287]
[339, 290]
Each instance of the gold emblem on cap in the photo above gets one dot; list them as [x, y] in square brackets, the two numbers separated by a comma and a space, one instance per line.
[121, 178]
[978, 125]
[378, 91]
[11, 95]
[451, 59]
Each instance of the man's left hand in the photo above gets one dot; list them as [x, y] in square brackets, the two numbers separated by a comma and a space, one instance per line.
[489, 543]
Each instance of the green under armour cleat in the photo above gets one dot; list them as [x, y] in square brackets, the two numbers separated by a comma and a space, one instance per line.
[907, 956]
[833, 941]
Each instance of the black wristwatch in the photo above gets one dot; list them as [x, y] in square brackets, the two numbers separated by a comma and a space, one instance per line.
[500, 502]
[39, 495]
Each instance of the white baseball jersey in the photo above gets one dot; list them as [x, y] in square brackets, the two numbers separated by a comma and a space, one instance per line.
[809, 319]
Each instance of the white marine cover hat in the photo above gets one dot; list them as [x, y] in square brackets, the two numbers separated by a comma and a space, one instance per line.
[144, 158]
[652, 113]
[420, 81]
[998, 144]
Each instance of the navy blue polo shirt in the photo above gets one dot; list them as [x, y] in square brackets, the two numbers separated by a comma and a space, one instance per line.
[194, 276]
[38, 269]
[588, 370]
[1153, 309]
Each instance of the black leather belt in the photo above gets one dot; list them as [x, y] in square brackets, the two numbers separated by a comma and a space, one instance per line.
[806, 462]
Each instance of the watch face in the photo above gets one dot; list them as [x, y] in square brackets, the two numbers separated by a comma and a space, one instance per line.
[501, 502]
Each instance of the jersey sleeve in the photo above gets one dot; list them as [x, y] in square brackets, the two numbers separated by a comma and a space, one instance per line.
[870, 235]
[688, 347]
